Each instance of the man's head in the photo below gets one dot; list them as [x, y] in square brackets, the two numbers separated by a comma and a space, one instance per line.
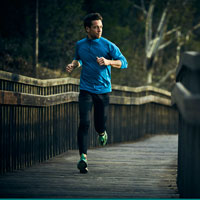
[93, 25]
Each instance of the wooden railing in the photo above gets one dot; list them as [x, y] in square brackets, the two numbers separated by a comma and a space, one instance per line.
[39, 118]
[186, 96]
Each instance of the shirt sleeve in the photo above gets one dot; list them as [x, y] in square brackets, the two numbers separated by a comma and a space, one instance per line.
[116, 54]
[77, 57]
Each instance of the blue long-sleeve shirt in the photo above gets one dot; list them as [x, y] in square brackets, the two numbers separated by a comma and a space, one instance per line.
[95, 78]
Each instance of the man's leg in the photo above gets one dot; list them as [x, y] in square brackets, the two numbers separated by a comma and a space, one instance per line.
[85, 106]
[101, 106]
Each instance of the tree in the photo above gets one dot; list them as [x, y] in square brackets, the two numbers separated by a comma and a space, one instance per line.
[161, 37]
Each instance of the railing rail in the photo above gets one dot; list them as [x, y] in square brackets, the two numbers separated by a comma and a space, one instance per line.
[23, 84]
[186, 96]
[39, 118]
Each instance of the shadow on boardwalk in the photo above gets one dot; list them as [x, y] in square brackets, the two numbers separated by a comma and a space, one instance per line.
[142, 169]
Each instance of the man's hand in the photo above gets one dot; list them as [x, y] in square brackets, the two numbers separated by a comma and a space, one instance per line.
[70, 67]
[114, 63]
[102, 61]
[74, 64]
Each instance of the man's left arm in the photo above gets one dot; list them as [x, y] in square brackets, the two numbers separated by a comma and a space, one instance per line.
[113, 63]
[117, 61]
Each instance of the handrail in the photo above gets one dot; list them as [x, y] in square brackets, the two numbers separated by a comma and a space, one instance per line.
[62, 81]
[187, 103]
[190, 60]
[36, 82]
[142, 89]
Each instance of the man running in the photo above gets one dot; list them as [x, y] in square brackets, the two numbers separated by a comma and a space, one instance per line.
[96, 55]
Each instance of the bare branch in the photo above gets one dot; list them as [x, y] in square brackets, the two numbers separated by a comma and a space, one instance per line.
[141, 9]
[187, 37]
[196, 26]
[162, 23]
[163, 79]
[143, 6]
[172, 31]
[165, 44]
[148, 27]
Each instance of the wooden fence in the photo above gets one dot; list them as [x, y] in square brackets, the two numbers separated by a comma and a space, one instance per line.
[186, 95]
[39, 118]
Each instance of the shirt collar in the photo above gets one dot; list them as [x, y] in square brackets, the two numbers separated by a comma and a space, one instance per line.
[94, 40]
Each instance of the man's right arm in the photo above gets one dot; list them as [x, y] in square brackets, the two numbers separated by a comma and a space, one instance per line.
[73, 65]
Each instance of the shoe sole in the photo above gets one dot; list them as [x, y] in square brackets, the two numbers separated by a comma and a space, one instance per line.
[82, 166]
[84, 171]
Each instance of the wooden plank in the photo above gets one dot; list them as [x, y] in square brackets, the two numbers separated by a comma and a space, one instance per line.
[15, 98]
[143, 169]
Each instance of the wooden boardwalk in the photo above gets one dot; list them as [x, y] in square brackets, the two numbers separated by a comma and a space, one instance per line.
[143, 169]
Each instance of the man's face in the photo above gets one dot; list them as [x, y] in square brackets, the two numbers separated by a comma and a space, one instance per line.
[95, 31]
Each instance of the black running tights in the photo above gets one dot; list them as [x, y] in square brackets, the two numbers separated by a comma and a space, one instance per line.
[86, 101]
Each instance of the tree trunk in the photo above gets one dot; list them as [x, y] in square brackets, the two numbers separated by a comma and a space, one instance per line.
[149, 76]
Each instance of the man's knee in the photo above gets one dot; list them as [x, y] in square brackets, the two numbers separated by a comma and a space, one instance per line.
[84, 125]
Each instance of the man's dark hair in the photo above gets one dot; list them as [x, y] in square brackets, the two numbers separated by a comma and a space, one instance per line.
[90, 17]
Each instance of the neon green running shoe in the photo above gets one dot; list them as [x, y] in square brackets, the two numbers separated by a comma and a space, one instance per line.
[103, 139]
[82, 164]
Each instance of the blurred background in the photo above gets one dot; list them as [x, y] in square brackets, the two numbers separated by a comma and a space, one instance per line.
[37, 37]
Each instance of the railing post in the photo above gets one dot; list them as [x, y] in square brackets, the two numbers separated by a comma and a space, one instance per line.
[186, 95]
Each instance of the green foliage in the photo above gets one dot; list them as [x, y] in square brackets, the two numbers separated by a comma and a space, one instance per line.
[16, 35]
[60, 27]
